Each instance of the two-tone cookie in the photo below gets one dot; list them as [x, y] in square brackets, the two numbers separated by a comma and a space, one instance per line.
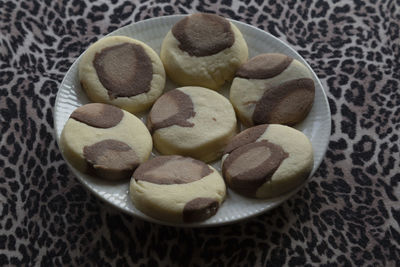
[177, 189]
[105, 141]
[192, 121]
[122, 71]
[203, 50]
[272, 88]
[267, 160]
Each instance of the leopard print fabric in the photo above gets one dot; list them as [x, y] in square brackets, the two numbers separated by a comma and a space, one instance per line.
[347, 215]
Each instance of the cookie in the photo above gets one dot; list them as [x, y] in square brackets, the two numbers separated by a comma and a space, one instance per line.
[203, 50]
[177, 189]
[105, 141]
[272, 88]
[267, 160]
[123, 72]
[192, 121]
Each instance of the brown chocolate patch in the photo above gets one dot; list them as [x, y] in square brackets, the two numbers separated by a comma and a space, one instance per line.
[264, 66]
[203, 34]
[288, 103]
[98, 115]
[171, 170]
[245, 137]
[199, 209]
[172, 108]
[125, 70]
[250, 166]
[110, 159]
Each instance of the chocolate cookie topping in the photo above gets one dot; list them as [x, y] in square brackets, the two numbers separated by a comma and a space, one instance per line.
[264, 66]
[199, 209]
[250, 166]
[98, 115]
[172, 108]
[203, 34]
[288, 103]
[245, 137]
[124, 70]
[110, 159]
[171, 170]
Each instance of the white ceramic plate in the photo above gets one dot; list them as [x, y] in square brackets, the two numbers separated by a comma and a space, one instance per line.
[316, 126]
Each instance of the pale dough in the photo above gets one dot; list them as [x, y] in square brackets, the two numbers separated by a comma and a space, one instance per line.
[245, 93]
[206, 71]
[98, 93]
[214, 125]
[167, 201]
[294, 168]
[130, 130]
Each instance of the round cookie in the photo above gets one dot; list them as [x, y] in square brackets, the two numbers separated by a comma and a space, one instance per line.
[177, 189]
[123, 72]
[105, 141]
[203, 50]
[267, 160]
[192, 121]
[272, 88]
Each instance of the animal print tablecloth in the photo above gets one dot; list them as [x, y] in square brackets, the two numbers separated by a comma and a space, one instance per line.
[347, 215]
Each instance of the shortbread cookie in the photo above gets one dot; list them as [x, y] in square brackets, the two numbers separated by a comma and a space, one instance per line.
[122, 71]
[192, 121]
[177, 189]
[272, 88]
[105, 141]
[203, 50]
[267, 160]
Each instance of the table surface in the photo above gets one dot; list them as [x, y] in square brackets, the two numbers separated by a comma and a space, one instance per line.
[347, 215]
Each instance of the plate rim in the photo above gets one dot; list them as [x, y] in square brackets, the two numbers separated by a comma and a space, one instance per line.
[147, 218]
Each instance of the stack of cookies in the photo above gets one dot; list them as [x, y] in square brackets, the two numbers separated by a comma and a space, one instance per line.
[192, 125]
